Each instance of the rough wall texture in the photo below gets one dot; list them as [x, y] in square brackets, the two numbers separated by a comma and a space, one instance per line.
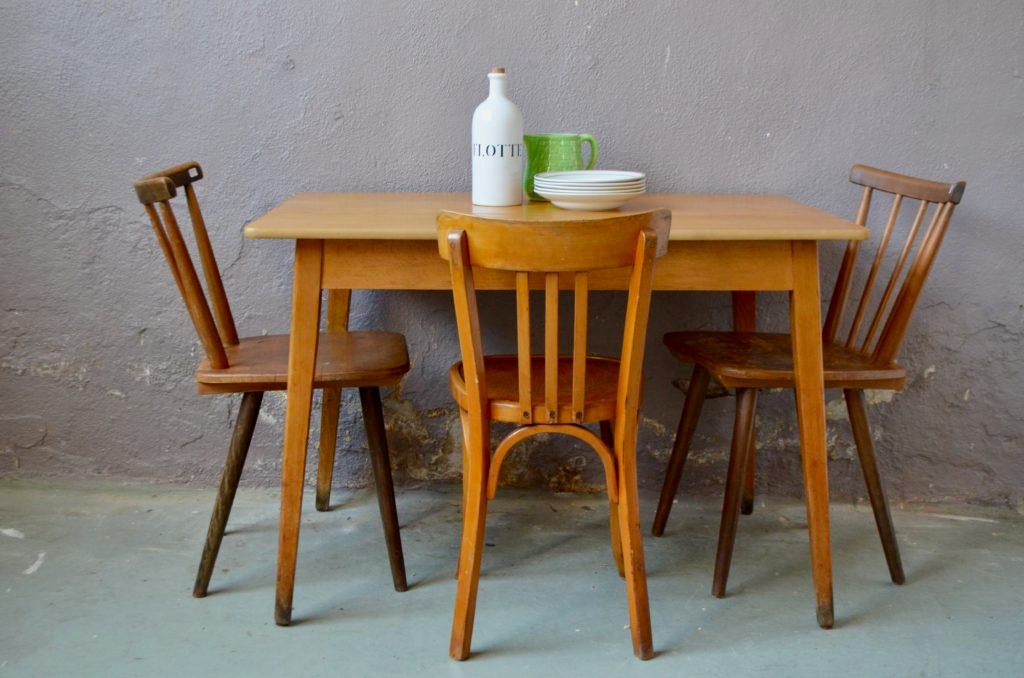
[96, 352]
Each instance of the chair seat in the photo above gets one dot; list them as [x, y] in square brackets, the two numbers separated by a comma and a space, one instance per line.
[761, 360]
[345, 359]
[602, 378]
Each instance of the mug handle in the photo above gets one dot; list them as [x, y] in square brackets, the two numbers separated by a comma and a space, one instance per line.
[593, 149]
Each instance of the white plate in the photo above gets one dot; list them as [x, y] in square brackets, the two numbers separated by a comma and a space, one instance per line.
[591, 176]
[591, 187]
[590, 191]
[555, 178]
[587, 202]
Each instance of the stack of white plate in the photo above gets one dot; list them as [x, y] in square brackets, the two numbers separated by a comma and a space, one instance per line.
[590, 189]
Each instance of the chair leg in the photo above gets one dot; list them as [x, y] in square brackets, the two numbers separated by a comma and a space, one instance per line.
[633, 549]
[376, 440]
[329, 416]
[684, 436]
[608, 437]
[858, 412]
[746, 404]
[475, 460]
[464, 425]
[248, 412]
[747, 504]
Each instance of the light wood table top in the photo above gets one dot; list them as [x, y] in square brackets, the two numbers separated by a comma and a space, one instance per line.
[412, 216]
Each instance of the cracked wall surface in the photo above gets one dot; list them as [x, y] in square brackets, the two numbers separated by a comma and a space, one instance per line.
[96, 351]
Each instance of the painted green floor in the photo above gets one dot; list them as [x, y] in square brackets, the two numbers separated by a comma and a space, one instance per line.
[95, 581]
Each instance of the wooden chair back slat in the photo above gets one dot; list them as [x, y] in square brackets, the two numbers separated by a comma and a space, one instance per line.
[844, 280]
[551, 346]
[889, 318]
[899, 317]
[218, 298]
[195, 301]
[523, 346]
[165, 247]
[883, 303]
[579, 343]
[869, 284]
[216, 327]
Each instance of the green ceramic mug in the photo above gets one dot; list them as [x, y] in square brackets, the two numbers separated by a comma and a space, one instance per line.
[555, 153]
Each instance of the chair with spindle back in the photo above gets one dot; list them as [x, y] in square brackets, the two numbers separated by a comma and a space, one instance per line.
[862, 357]
[549, 392]
[254, 365]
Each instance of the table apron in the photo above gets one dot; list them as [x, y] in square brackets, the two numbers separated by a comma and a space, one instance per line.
[689, 265]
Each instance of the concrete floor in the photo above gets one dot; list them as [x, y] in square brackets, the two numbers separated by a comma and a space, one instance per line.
[95, 580]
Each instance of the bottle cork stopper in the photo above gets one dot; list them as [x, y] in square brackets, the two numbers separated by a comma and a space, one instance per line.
[497, 69]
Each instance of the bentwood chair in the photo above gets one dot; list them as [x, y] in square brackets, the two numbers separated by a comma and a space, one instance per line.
[551, 392]
[858, 354]
[254, 365]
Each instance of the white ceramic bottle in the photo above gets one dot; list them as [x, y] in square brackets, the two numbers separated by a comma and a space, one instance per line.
[497, 146]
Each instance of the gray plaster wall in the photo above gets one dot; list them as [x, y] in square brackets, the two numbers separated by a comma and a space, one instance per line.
[96, 352]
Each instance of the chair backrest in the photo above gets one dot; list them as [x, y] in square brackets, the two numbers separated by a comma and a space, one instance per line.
[548, 256]
[888, 313]
[216, 329]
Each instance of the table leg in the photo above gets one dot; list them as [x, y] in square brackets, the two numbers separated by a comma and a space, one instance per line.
[330, 411]
[302, 348]
[744, 311]
[330, 414]
[805, 325]
[744, 319]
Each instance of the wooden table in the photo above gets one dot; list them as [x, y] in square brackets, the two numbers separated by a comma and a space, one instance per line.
[739, 243]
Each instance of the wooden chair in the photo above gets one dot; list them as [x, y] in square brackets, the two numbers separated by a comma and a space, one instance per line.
[549, 392]
[856, 356]
[254, 365]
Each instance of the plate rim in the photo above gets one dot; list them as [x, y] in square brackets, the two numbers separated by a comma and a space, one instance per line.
[625, 175]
